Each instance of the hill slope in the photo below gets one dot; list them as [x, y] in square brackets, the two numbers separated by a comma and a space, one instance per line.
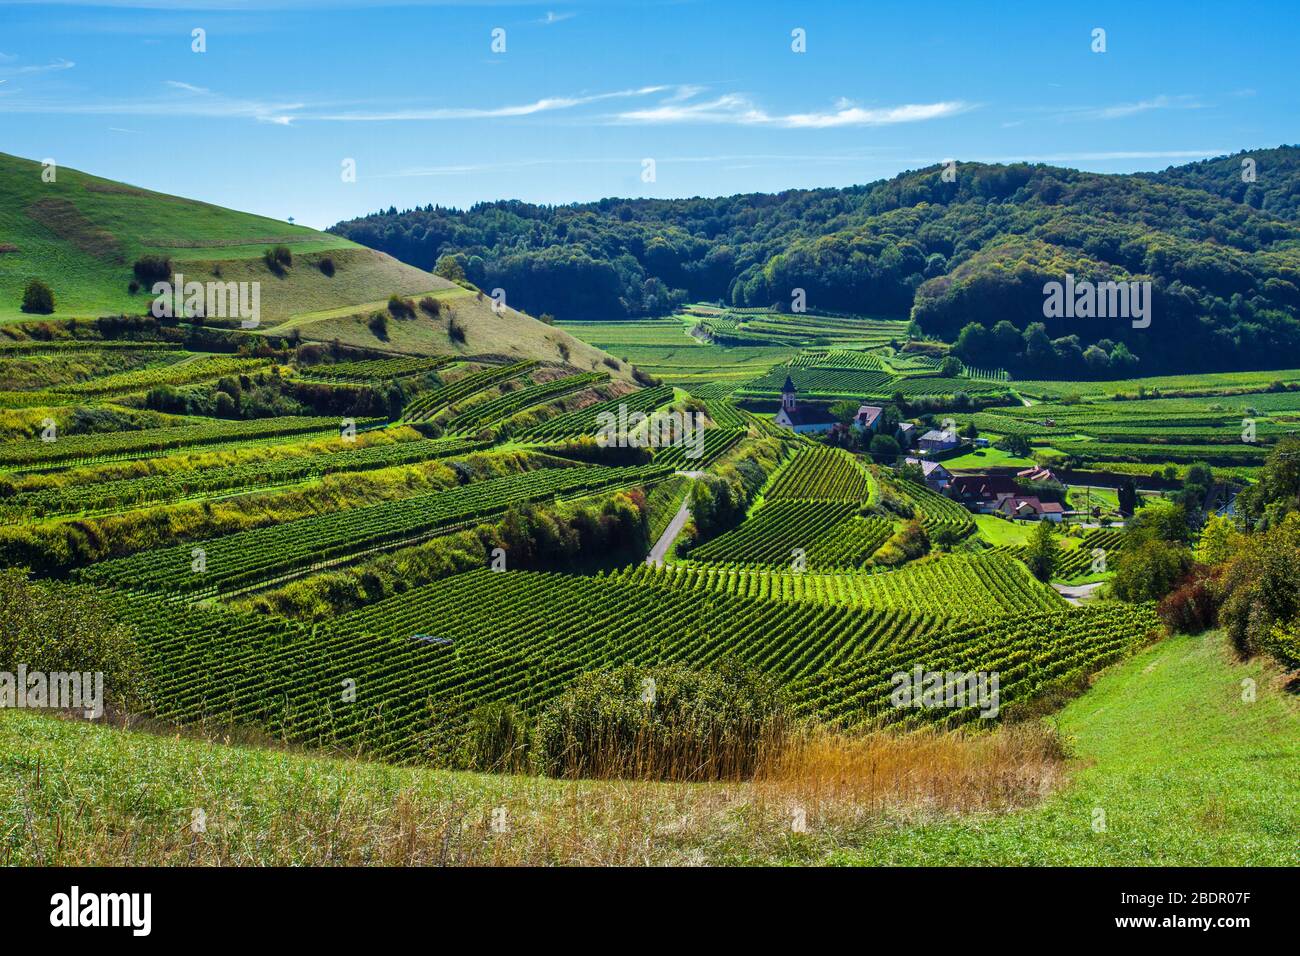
[1224, 263]
[81, 235]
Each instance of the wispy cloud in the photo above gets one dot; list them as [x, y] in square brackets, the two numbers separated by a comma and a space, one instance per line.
[186, 100]
[738, 109]
[1124, 110]
[55, 66]
[544, 105]
[553, 17]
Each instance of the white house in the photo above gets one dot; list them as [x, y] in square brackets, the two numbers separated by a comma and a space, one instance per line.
[804, 420]
[933, 441]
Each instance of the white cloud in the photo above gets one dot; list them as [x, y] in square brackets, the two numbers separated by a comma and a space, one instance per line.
[553, 17]
[738, 109]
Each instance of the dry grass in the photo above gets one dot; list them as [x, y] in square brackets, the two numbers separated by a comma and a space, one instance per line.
[112, 797]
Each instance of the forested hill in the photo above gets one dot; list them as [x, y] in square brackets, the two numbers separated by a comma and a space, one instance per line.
[1224, 261]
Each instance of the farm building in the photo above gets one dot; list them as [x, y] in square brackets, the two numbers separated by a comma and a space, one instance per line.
[1030, 508]
[868, 418]
[936, 441]
[807, 420]
[937, 477]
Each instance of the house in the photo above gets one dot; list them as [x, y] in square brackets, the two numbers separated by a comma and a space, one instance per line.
[1030, 508]
[806, 420]
[868, 417]
[937, 477]
[906, 435]
[982, 493]
[981, 443]
[1038, 476]
[938, 441]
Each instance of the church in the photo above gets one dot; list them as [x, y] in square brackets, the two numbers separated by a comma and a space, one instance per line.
[808, 419]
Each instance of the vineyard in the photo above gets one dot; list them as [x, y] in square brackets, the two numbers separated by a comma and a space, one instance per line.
[961, 586]
[114, 446]
[417, 664]
[247, 558]
[430, 403]
[821, 474]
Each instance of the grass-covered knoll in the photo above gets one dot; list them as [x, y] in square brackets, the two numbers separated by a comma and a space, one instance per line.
[82, 235]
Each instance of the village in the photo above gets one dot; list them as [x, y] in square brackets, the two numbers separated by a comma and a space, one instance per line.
[1018, 494]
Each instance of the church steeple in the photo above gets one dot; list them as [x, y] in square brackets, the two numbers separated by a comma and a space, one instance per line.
[787, 395]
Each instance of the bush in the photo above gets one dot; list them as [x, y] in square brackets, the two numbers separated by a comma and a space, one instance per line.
[278, 259]
[379, 325]
[662, 723]
[151, 269]
[53, 628]
[496, 740]
[456, 331]
[430, 306]
[38, 298]
[400, 308]
[1149, 569]
[1260, 593]
[327, 266]
[1192, 606]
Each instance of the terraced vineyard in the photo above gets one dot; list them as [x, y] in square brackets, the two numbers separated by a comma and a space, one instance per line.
[936, 510]
[511, 403]
[177, 486]
[1075, 562]
[376, 370]
[115, 446]
[586, 421]
[248, 558]
[430, 403]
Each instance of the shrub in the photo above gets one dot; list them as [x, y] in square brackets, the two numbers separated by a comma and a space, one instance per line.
[379, 325]
[52, 628]
[456, 331]
[1192, 606]
[151, 269]
[38, 298]
[662, 723]
[430, 306]
[496, 740]
[400, 308]
[278, 259]
[326, 266]
[1149, 569]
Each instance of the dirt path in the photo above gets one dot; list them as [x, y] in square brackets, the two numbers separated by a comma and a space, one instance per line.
[656, 555]
[1077, 593]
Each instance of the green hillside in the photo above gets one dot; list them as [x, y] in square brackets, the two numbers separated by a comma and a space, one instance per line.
[81, 235]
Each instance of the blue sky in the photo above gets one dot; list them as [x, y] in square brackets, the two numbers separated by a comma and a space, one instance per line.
[584, 92]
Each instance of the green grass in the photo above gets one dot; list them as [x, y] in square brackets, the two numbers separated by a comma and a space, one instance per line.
[999, 531]
[986, 458]
[1187, 773]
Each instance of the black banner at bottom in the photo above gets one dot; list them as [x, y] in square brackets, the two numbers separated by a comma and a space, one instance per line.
[334, 906]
